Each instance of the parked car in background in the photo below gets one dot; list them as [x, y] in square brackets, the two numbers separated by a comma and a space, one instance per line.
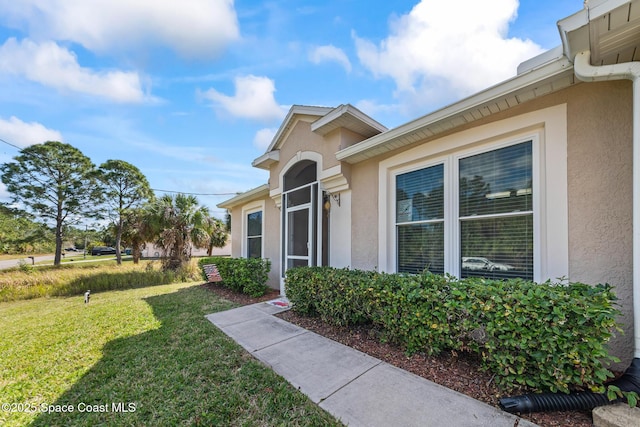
[103, 250]
[480, 263]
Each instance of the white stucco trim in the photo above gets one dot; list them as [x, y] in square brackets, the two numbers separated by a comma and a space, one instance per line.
[340, 231]
[247, 209]
[300, 155]
[547, 128]
[333, 180]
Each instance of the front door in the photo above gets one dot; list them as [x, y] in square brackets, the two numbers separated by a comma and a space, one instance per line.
[298, 236]
[300, 228]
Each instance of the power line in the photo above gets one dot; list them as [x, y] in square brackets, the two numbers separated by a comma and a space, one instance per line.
[13, 145]
[196, 194]
[154, 189]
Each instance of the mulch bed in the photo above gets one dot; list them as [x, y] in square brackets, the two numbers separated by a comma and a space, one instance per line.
[457, 371]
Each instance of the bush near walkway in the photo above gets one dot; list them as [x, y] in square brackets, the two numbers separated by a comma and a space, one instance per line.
[246, 275]
[545, 336]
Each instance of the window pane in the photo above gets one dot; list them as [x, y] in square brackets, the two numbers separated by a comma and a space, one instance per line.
[299, 197]
[420, 195]
[254, 224]
[497, 247]
[254, 249]
[421, 247]
[499, 181]
[298, 238]
[292, 263]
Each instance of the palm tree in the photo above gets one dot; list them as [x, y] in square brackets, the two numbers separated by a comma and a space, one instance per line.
[178, 224]
[218, 233]
[136, 231]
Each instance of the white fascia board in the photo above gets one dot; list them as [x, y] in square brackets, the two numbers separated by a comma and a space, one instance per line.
[245, 197]
[494, 93]
[347, 109]
[296, 109]
[266, 160]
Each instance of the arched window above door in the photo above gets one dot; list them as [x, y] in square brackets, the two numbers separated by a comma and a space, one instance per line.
[302, 173]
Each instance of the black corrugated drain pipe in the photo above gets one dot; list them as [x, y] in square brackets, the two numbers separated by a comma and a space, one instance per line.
[544, 402]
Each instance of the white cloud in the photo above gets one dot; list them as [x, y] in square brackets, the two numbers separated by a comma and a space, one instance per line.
[4, 194]
[440, 52]
[193, 28]
[253, 99]
[54, 66]
[330, 53]
[24, 134]
[263, 138]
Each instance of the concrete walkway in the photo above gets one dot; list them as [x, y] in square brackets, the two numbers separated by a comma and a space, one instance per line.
[358, 389]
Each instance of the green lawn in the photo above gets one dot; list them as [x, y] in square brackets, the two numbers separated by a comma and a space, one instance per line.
[147, 350]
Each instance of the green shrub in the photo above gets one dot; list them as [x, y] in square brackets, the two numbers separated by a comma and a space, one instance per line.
[548, 337]
[246, 275]
[336, 295]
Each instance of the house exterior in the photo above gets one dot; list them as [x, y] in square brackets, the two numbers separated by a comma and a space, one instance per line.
[533, 177]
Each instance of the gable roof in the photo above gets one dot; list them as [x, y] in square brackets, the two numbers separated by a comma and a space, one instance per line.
[323, 120]
[349, 117]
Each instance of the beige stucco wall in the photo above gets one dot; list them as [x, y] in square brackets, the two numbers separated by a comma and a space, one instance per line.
[271, 219]
[599, 169]
[600, 194]
[364, 215]
[236, 235]
[300, 138]
[271, 236]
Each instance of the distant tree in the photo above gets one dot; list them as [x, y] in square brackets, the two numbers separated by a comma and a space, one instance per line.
[218, 234]
[19, 233]
[55, 182]
[136, 231]
[125, 188]
[179, 224]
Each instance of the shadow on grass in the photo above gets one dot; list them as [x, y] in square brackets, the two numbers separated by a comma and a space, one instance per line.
[186, 372]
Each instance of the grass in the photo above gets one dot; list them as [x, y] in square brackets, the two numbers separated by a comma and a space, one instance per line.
[150, 349]
[28, 282]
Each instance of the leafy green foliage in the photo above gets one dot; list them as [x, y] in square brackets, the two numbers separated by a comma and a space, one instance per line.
[20, 234]
[246, 275]
[56, 182]
[218, 234]
[125, 188]
[178, 223]
[547, 337]
[614, 393]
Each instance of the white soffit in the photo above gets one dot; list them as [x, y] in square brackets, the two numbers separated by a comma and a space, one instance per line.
[247, 196]
[349, 117]
[542, 80]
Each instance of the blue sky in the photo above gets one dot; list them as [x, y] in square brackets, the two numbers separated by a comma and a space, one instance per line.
[191, 91]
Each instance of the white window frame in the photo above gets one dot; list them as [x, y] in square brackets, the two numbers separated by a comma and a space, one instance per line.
[246, 210]
[547, 129]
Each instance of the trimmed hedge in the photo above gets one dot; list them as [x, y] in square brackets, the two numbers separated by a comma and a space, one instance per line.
[246, 275]
[548, 336]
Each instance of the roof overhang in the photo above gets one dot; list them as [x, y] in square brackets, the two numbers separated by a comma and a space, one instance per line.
[247, 196]
[296, 112]
[266, 160]
[609, 29]
[348, 117]
[554, 73]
